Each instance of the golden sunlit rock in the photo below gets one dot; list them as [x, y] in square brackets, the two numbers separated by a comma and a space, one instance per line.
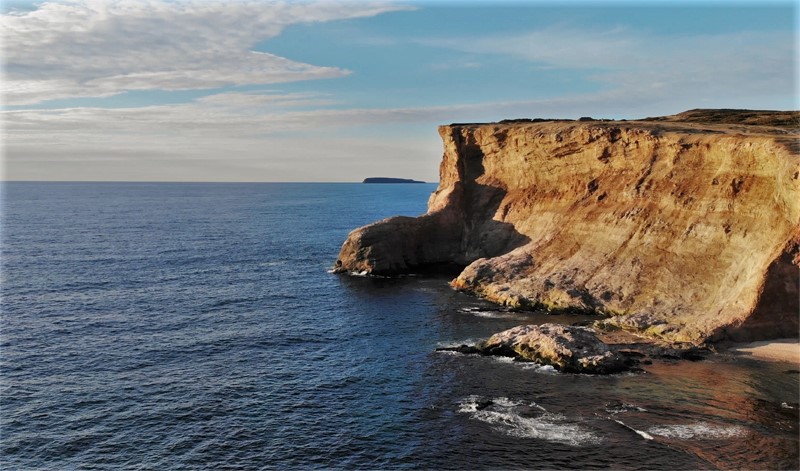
[684, 228]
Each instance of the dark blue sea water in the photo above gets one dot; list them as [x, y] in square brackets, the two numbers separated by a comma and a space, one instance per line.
[195, 326]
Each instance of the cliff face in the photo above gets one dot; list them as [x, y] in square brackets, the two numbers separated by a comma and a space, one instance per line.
[679, 229]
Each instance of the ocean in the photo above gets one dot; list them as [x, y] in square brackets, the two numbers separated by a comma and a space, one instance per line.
[177, 326]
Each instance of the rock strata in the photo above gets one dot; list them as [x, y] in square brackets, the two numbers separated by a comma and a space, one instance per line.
[684, 228]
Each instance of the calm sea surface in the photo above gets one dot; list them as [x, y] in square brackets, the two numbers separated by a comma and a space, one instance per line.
[195, 326]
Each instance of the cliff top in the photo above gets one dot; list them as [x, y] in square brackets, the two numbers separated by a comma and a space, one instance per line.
[782, 119]
[782, 126]
[720, 120]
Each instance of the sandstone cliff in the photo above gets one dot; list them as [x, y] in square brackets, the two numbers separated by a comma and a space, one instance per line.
[685, 227]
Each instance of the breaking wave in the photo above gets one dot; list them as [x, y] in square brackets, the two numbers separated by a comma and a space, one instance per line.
[700, 430]
[489, 314]
[527, 420]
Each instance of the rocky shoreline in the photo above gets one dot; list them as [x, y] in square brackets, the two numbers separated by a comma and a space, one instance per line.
[683, 231]
[580, 349]
[596, 349]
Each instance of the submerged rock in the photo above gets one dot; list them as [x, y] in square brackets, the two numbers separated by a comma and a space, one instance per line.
[571, 349]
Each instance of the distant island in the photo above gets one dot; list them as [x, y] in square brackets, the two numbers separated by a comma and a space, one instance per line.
[389, 180]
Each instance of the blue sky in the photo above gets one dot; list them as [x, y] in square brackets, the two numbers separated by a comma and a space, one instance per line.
[260, 91]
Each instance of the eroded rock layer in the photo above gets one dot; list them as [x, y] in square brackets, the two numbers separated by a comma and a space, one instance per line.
[677, 228]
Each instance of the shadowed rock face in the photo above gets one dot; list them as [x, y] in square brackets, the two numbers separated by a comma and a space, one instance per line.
[677, 228]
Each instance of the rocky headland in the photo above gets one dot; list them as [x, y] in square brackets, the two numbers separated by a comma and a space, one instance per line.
[683, 228]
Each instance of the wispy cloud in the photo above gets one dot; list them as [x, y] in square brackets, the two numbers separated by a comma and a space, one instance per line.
[238, 136]
[554, 46]
[260, 102]
[235, 114]
[723, 65]
[100, 48]
[220, 137]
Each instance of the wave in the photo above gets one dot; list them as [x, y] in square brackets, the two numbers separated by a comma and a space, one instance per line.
[457, 343]
[699, 430]
[620, 407]
[641, 433]
[547, 369]
[527, 420]
[525, 365]
[489, 314]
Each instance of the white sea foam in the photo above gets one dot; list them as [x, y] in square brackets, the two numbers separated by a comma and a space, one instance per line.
[503, 359]
[478, 312]
[700, 430]
[641, 433]
[546, 369]
[616, 408]
[471, 403]
[527, 420]
[448, 352]
[457, 343]
[525, 365]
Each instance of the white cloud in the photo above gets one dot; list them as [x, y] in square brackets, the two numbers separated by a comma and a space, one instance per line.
[102, 48]
[90, 49]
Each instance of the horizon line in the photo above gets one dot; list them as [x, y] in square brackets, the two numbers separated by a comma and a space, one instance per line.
[201, 181]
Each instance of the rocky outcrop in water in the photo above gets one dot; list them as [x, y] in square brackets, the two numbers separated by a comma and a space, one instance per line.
[684, 228]
[580, 349]
[570, 349]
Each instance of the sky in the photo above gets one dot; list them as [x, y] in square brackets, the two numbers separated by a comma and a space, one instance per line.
[152, 90]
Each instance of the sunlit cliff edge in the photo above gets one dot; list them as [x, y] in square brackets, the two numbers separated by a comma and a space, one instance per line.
[685, 228]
